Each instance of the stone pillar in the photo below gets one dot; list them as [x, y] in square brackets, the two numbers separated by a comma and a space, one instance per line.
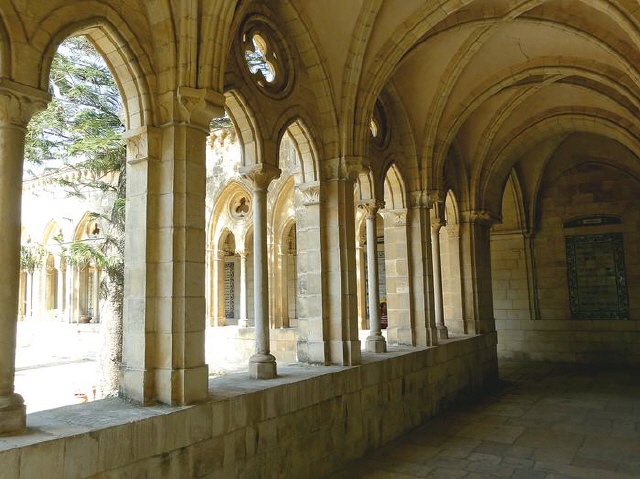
[281, 285]
[70, 293]
[398, 271]
[208, 286]
[452, 294]
[37, 296]
[360, 284]
[437, 222]
[313, 335]
[17, 104]
[243, 320]
[61, 290]
[476, 271]
[218, 289]
[421, 274]
[96, 295]
[29, 289]
[375, 341]
[164, 312]
[262, 365]
[339, 264]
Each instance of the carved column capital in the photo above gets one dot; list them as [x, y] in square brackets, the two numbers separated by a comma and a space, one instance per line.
[195, 106]
[438, 216]
[140, 143]
[243, 253]
[311, 193]
[18, 103]
[260, 175]
[419, 199]
[371, 207]
[453, 231]
[479, 217]
[342, 168]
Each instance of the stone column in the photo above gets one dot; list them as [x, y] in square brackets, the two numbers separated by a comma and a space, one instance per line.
[262, 365]
[398, 280]
[452, 296]
[360, 280]
[96, 295]
[61, 290]
[313, 333]
[218, 289]
[437, 222]
[164, 326]
[375, 341]
[208, 286]
[421, 273]
[476, 271]
[37, 296]
[243, 320]
[339, 264]
[17, 104]
[281, 285]
[29, 289]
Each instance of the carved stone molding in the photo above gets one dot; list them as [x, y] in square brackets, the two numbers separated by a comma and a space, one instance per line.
[396, 217]
[479, 217]
[140, 143]
[18, 103]
[438, 216]
[420, 199]
[343, 168]
[311, 193]
[371, 207]
[453, 231]
[195, 106]
[260, 175]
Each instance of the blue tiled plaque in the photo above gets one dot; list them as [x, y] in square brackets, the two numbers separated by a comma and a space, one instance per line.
[596, 275]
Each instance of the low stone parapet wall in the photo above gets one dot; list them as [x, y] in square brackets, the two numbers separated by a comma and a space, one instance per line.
[306, 423]
[604, 341]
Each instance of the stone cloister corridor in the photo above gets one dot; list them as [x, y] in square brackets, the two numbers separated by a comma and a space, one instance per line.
[407, 193]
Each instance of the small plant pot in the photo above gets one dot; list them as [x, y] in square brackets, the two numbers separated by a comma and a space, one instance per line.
[84, 318]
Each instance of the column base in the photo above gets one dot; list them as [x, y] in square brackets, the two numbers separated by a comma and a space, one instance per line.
[13, 414]
[443, 332]
[243, 323]
[262, 366]
[376, 344]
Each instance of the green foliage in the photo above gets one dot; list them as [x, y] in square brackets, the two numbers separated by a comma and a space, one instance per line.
[82, 129]
[31, 256]
[81, 126]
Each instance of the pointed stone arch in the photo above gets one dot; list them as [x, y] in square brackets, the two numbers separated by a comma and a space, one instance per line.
[282, 220]
[128, 61]
[490, 175]
[303, 140]
[246, 127]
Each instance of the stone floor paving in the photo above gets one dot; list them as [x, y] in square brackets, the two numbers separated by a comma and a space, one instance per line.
[547, 421]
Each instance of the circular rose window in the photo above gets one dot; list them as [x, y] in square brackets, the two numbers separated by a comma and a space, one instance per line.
[264, 54]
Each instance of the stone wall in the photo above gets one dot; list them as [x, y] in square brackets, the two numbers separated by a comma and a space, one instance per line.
[306, 423]
[530, 281]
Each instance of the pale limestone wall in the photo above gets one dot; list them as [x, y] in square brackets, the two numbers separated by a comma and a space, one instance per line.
[304, 424]
[229, 346]
[554, 336]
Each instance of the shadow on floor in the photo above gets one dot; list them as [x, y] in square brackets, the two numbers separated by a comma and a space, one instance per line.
[541, 420]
